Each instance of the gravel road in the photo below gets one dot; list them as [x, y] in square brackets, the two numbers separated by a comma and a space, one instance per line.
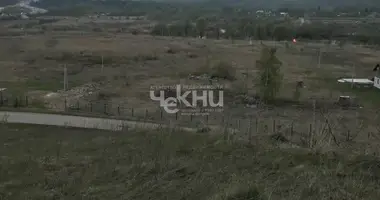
[75, 121]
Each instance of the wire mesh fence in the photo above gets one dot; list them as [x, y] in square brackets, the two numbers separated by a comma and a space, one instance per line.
[306, 124]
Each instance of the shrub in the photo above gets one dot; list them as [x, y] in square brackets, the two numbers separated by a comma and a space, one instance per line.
[145, 57]
[106, 94]
[223, 70]
[170, 51]
[99, 79]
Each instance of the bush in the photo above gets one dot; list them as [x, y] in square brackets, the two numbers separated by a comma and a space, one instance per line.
[145, 57]
[99, 79]
[170, 51]
[106, 94]
[223, 70]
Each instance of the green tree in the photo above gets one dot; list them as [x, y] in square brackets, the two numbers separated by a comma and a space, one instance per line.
[281, 33]
[297, 93]
[187, 28]
[260, 32]
[160, 29]
[201, 26]
[270, 77]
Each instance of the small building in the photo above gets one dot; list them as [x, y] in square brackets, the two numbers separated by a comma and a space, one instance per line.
[376, 82]
[357, 81]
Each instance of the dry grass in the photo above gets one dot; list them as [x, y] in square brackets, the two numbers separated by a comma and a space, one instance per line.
[40, 162]
[33, 64]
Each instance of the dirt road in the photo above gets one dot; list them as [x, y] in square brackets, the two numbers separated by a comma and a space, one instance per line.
[76, 121]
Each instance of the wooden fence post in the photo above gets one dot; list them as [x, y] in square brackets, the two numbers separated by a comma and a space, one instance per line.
[250, 131]
[15, 104]
[1, 99]
[257, 126]
[291, 129]
[310, 135]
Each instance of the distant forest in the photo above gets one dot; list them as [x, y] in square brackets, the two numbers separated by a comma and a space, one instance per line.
[178, 18]
[269, 4]
[4, 3]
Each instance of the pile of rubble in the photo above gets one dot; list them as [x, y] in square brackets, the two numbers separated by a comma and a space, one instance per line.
[200, 77]
[81, 91]
[56, 101]
[248, 101]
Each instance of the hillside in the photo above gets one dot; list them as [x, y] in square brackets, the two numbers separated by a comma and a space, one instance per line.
[40, 162]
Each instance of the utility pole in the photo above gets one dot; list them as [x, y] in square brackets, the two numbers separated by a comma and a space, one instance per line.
[102, 64]
[352, 76]
[314, 130]
[246, 80]
[65, 78]
[319, 58]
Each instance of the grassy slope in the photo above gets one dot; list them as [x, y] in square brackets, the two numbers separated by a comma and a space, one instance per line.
[41, 162]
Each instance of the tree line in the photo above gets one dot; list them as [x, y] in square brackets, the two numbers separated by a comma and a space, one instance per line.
[266, 30]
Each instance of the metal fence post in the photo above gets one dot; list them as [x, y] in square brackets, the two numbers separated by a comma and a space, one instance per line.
[65, 104]
[15, 103]
[1, 99]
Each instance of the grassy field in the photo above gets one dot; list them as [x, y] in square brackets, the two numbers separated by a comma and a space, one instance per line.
[32, 60]
[40, 162]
